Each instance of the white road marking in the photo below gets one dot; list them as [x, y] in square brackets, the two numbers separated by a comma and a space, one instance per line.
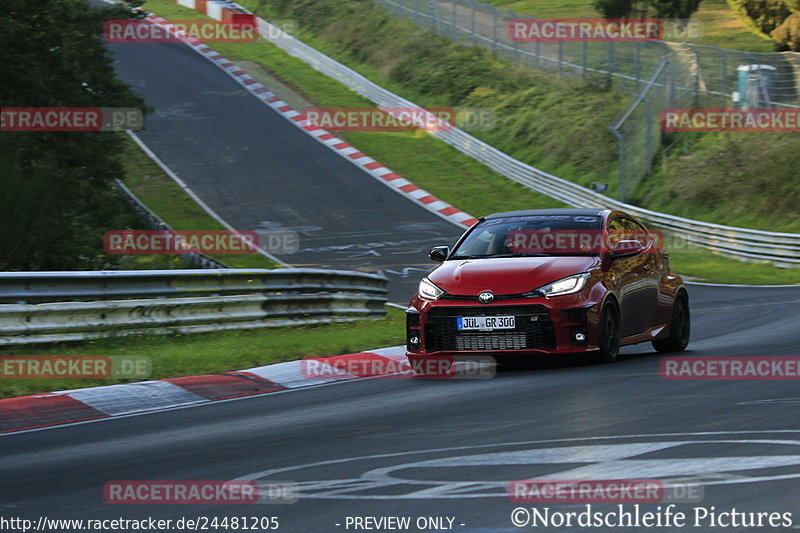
[414, 480]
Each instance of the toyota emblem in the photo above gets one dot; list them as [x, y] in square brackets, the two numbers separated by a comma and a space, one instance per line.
[486, 297]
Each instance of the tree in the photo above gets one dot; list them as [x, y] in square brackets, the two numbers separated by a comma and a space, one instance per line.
[675, 9]
[787, 35]
[778, 20]
[614, 9]
[665, 9]
[763, 17]
[57, 199]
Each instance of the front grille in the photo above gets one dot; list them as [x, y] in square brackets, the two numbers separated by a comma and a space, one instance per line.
[533, 331]
[500, 340]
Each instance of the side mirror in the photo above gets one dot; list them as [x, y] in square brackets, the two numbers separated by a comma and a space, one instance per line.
[439, 253]
[626, 249]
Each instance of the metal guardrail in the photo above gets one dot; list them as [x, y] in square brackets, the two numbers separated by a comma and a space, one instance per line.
[746, 244]
[155, 222]
[41, 307]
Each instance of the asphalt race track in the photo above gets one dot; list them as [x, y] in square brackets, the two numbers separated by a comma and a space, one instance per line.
[418, 447]
[259, 172]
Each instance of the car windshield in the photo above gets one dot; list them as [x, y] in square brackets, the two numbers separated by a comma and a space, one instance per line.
[532, 235]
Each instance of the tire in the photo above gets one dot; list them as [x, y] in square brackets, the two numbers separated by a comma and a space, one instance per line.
[680, 327]
[608, 334]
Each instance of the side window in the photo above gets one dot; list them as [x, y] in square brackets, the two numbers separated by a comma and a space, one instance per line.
[622, 228]
[635, 231]
[616, 231]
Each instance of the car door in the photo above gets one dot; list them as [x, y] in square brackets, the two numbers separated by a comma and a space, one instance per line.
[637, 278]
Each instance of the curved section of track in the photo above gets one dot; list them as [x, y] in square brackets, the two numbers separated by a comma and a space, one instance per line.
[259, 172]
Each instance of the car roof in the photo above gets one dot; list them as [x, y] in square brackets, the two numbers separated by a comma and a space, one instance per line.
[527, 212]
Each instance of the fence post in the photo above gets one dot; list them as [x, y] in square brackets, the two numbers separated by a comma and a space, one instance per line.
[560, 58]
[621, 139]
[671, 72]
[453, 32]
[611, 62]
[638, 54]
[724, 69]
[649, 134]
[434, 11]
[585, 59]
[472, 21]
[494, 29]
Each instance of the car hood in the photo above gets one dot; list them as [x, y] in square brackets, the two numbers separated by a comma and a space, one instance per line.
[511, 275]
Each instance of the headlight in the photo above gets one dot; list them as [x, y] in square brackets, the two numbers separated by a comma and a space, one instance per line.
[428, 290]
[564, 286]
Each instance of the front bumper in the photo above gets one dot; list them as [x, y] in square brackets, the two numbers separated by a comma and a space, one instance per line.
[565, 324]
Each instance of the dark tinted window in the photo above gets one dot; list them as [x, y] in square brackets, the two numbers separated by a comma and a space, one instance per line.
[530, 235]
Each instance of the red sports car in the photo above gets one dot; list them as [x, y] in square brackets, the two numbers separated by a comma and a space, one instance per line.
[548, 281]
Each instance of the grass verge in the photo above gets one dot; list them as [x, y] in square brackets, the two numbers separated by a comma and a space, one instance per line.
[208, 353]
[163, 196]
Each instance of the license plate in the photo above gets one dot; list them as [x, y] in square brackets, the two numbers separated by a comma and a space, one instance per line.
[485, 323]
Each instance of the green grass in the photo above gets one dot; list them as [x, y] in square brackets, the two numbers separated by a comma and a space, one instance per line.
[703, 265]
[208, 353]
[740, 179]
[163, 196]
[452, 176]
[721, 26]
